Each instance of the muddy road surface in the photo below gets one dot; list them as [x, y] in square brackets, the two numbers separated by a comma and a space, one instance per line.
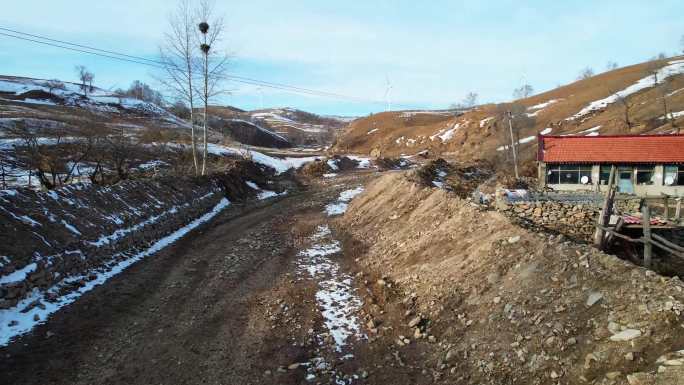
[259, 295]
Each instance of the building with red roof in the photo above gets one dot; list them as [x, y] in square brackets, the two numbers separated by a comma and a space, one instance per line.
[646, 164]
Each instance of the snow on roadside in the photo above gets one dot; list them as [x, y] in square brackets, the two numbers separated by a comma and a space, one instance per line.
[339, 207]
[336, 296]
[24, 317]
[675, 67]
[484, 121]
[264, 194]
[20, 274]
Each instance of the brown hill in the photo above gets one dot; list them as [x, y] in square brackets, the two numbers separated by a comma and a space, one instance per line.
[574, 109]
[298, 127]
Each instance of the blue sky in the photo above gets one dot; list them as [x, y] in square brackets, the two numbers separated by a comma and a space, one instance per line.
[433, 52]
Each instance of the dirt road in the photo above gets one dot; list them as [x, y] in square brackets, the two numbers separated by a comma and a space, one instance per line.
[210, 309]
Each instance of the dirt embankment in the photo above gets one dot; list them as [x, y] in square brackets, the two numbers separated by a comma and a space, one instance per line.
[491, 302]
[58, 240]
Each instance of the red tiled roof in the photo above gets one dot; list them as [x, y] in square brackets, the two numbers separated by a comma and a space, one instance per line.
[612, 149]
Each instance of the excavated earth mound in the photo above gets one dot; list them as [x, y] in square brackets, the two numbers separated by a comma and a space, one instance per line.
[494, 303]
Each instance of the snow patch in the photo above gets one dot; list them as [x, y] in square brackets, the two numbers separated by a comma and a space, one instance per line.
[18, 275]
[673, 68]
[336, 296]
[339, 207]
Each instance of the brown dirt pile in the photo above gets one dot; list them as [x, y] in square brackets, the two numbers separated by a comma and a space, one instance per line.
[498, 304]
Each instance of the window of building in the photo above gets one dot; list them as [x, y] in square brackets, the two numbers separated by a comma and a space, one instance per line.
[568, 174]
[645, 175]
[674, 176]
[605, 174]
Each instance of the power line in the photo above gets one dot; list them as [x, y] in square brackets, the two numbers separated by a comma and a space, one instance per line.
[158, 64]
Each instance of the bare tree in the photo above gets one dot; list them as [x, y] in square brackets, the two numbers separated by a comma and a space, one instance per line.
[470, 99]
[628, 105]
[586, 73]
[523, 92]
[53, 84]
[86, 77]
[612, 65]
[179, 55]
[214, 65]
[660, 56]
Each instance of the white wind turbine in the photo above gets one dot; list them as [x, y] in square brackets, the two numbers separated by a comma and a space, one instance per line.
[388, 95]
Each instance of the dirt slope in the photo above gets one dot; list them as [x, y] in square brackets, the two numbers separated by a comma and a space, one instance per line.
[479, 132]
[498, 304]
[298, 127]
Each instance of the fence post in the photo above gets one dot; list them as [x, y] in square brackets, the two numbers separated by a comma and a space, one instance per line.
[648, 245]
[604, 217]
[678, 210]
[666, 210]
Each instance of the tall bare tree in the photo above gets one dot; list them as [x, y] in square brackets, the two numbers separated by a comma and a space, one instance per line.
[586, 73]
[179, 54]
[214, 64]
[612, 65]
[86, 77]
[523, 92]
[628, 104]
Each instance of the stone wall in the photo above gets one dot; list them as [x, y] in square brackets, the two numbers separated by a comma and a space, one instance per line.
[575, 220]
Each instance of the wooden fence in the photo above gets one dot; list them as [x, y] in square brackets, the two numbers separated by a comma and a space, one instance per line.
[605, 233]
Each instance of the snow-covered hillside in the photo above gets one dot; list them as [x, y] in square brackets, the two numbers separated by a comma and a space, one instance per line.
[54, 93]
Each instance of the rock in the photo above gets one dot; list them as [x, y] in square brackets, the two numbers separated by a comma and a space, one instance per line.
[493, 278]
[497, 300]
[514, 239]
[626, 335]
[450, 354]
[364, 374]
[415, 321]
[613, 375]
[36, 317]
[588, 359]
[294, 366]
[594, 298]
[572, 341]
[614, 327]
[554, 375]
[640, 379]
[629, 356]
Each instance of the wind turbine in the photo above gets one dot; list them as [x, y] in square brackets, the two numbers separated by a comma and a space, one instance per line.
[388, 91]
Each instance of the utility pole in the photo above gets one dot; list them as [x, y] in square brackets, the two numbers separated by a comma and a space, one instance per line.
[513, 147]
